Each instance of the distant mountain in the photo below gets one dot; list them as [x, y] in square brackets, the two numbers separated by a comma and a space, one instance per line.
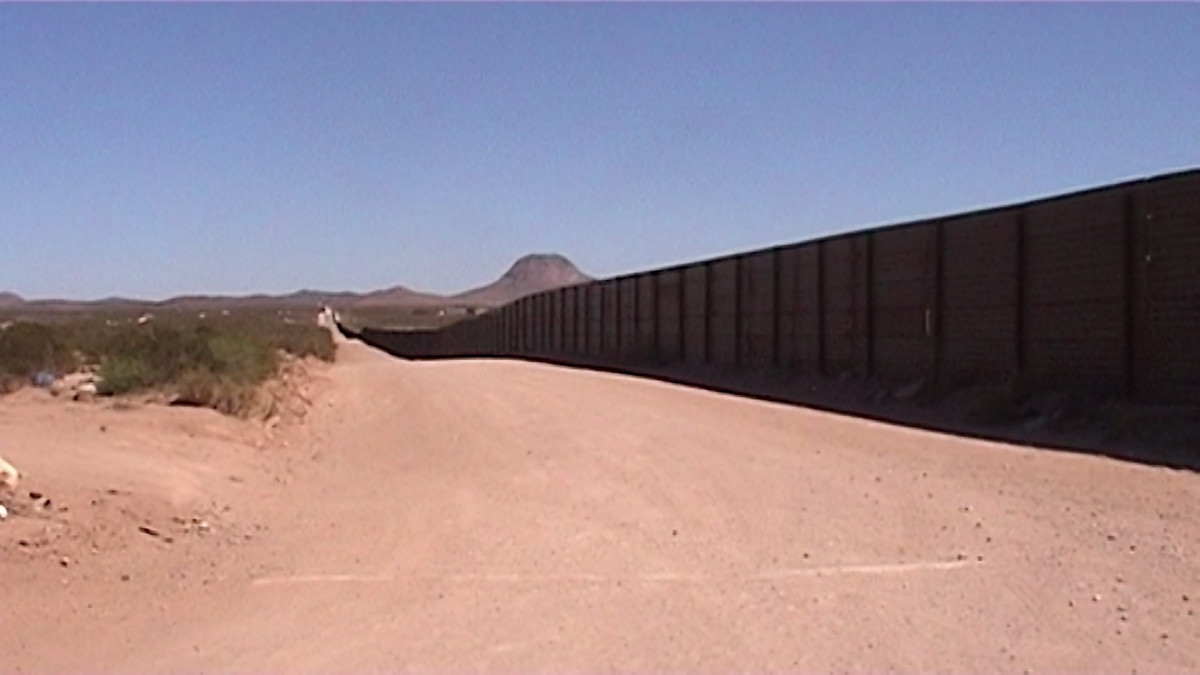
[397, 296]
[528, 275]
[305, 298]
[531, 274]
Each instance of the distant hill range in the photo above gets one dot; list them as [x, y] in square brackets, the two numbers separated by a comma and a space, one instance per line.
[530, 274]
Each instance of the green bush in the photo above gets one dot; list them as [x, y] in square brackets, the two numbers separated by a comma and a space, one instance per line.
[213, 362]
[28, 348]
[242, 359]
[125, 374]
[210, 390]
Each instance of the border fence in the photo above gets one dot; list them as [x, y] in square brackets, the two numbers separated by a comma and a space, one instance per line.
[1096, 290]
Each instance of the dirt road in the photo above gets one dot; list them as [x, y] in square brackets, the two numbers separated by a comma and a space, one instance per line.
[504, 516]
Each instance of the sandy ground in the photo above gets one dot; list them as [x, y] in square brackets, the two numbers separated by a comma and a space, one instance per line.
[505, 516]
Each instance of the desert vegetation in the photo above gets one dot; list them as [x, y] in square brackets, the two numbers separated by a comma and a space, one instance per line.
[217, 362]
[405, 318]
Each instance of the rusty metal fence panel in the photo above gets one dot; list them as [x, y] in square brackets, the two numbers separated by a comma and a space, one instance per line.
[1166, 263]
[668, 288]
[645, 344]
[595, 320]
[844, 307]
[610, 322]
[1098, 289]
[979, 296]
[723, 312]
[757, 316]
[1074, 292]
[695, 314]
[903, 301]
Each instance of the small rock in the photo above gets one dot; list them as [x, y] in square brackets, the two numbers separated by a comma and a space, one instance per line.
[3, 512]
[64, 561]
[35, 496]
[1096, 598]
[148, 530]
[124, 577]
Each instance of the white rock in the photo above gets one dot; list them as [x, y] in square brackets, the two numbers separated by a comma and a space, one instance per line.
[9, 476]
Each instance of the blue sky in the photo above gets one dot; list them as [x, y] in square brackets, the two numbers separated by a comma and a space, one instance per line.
[154, 150]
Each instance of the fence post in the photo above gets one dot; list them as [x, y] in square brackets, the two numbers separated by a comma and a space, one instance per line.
[820, 308]
[708, 310]
[739, 268]
[574, 348]
[601, 321]
[637, 318]
[585, 291]
[1131, 315]
[617, 318]
[776, 307]
[682, 315]
[939, 298]
[869, 280]
[656, 291]
[562, 320]
[1021, 290]
[512, 329]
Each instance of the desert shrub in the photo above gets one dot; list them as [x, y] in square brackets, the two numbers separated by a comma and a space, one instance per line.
[215, 362]
[27, 348]
[210, 390]
[306, 341]
[125, 374]
[239, 358]
[149, 356]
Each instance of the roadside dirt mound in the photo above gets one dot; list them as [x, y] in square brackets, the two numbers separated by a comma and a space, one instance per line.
[110, 474]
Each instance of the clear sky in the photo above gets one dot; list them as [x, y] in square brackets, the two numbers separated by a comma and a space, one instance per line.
[154, 150]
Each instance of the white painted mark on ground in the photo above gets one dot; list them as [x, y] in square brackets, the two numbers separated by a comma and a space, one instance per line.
[323, 578]
[886, 568]
[654, 577]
